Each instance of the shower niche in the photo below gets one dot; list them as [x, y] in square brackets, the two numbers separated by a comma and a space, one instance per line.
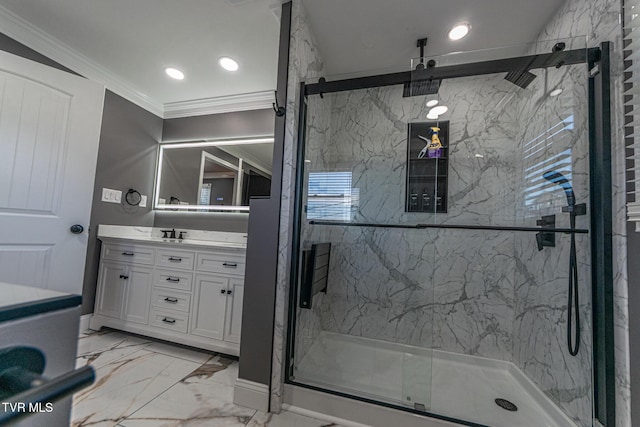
[427, 167]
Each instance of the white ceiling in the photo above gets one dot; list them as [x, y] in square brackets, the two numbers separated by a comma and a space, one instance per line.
[136, 39]
[129, 42]
[357, 35]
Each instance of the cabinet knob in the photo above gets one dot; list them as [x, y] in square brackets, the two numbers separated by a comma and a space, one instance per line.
[229, 264]
[228, 292]
[127, 253]
[169, 321]
[171, 300]
[175, 259]
[173, 279]
[223, 291]
[122, 276]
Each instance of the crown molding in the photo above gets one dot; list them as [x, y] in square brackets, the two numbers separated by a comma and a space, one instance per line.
[31, 36]
[26, 33]
[217, 105]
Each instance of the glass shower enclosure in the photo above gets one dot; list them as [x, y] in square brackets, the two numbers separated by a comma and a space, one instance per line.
[443, 253]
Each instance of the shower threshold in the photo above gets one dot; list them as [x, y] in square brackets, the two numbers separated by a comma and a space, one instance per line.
[448, 384]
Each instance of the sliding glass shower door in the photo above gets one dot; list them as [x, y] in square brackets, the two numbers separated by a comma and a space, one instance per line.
[443, 249]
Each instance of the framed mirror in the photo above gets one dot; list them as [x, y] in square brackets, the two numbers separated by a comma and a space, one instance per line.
[217, 175]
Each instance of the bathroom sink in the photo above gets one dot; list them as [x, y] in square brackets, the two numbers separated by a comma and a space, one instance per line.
[154, 235]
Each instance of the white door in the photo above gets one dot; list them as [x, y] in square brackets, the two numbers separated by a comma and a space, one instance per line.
[49, 131]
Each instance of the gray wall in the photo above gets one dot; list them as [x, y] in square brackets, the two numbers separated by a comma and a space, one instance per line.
[180, 175]
[633, 253]
[10, 45]
[126, 159]
[216, 126]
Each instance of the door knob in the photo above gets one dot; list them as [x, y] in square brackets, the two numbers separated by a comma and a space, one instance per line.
[76, 229]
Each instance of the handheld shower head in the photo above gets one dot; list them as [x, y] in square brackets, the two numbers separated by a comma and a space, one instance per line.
[559, 179]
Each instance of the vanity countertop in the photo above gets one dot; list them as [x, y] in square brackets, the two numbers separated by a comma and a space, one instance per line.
[19, 301]
[204, 238]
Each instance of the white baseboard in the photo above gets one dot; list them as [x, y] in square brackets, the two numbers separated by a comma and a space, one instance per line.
[251, 394]
[84, 322]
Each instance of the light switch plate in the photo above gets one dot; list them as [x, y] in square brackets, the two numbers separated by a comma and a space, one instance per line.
[143, 201]
[111, 196]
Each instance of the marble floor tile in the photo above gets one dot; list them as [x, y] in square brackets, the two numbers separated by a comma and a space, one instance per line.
[180, 352]
[194, 401]
[220, 369]
[106, 340]
[127, 384]
[144, 383]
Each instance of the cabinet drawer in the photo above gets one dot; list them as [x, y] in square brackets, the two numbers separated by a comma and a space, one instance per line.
[170, 299]
[174, 258]
[173, 279]
[220, 263]
[132, 254]
[168, 319]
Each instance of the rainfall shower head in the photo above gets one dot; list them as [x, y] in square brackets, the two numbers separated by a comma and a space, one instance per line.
[559, 179]
[522, 78]
[424, 87]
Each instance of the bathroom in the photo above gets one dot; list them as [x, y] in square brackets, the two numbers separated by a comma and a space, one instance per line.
[479, 288]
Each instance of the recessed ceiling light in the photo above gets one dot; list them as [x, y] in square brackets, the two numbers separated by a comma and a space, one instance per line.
[228, 63]
[432, 103]
[439, 110]
[555, 92]
[174, 73]
[459, 31]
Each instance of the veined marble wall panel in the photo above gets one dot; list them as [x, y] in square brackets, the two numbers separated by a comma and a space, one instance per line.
[554, 137]
[308, 322]
[389, 284]
[305, 63]
[369, 137]
[600, 21]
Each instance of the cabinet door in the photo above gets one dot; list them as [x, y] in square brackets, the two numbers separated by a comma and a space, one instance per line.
[111, 285]
[209, 303]
[138, 290]
[233, 321]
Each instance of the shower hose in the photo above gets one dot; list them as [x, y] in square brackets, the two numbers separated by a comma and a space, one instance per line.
[574, 301]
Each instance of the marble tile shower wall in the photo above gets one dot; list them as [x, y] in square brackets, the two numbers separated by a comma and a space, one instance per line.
[553, 136]
[445, 289]
[305, 64]
[473, 292]
[308, 323]
[600, 21]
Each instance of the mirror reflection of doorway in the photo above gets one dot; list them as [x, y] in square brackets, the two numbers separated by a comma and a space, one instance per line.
[219, 181]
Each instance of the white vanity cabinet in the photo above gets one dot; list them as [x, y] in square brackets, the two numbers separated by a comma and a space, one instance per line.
[191, 295]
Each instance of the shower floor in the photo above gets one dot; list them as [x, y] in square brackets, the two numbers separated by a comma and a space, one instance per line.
[461, 387]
